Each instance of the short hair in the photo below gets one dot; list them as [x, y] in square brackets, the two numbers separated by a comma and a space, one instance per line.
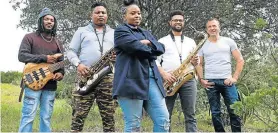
[98, 3]
[211, 19]
[176, 12]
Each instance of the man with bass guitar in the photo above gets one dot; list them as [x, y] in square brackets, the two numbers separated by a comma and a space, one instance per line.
[40, 47]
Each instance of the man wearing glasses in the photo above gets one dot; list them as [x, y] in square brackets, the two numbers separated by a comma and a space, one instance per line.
[177, 49]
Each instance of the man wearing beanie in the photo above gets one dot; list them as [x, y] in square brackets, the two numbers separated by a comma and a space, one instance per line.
[40, 47]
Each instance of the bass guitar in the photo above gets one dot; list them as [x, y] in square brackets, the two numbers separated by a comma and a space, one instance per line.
[35, 76]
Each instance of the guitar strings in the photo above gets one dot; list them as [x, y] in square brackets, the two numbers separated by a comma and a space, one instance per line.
[44, 70]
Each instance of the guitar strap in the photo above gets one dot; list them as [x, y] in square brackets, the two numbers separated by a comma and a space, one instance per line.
[21, 91]
[58, 45]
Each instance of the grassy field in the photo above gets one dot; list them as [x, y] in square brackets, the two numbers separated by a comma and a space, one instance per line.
[61, 119]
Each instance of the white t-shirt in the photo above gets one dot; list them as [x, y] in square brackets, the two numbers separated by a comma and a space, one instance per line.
[171, 58]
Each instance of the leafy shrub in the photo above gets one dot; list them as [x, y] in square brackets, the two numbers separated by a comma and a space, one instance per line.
[13, 77]
[261, 105]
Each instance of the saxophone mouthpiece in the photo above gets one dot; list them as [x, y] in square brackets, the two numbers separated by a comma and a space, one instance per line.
[200, 35]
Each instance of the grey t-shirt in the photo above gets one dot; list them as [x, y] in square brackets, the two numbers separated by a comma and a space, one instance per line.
[217, 58]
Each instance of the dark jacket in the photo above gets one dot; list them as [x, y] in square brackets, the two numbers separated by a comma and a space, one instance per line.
[34, 49]
[131, 78]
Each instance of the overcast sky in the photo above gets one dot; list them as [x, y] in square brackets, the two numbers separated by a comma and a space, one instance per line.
[11, 38]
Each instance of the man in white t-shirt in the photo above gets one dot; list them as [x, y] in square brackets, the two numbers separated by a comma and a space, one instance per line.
[177, 49]
[218, 79]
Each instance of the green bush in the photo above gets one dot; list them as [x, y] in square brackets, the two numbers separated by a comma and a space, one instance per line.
[261, 106]
[66, 85]
[13, 77]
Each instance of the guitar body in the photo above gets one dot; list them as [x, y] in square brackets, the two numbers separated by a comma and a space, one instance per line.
[35, 76]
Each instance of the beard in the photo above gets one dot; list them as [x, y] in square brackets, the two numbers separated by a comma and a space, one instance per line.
[177, 29]
[48, 31]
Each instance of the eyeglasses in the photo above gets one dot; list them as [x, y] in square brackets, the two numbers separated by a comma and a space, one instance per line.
[177, 20]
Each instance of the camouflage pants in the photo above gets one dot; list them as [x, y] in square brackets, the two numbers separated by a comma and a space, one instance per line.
[82, 104]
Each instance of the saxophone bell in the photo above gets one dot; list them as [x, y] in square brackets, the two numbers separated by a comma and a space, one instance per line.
[98, 70]
[90, 85]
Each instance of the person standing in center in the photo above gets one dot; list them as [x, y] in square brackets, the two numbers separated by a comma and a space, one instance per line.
[137, 82]
[177, 49]
[90, 43]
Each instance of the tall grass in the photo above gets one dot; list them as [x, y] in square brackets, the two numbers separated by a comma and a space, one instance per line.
[61, 118]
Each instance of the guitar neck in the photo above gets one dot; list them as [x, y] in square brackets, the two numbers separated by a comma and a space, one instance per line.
[58, 65]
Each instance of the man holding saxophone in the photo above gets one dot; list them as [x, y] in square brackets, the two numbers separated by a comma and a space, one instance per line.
[177, 49]
[91, 43]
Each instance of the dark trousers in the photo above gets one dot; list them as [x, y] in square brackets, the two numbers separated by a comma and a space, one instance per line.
[187, 94]
[230, 96]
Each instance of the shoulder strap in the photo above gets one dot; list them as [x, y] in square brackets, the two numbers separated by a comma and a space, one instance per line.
[173, 37]
[58, 44]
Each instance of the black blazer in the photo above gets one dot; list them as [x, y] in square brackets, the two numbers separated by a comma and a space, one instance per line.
[131, 78]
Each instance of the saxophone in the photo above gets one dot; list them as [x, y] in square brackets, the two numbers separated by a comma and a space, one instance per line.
[97, 71]
[183, 74]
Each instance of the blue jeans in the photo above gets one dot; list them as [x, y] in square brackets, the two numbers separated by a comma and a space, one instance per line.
[187, 94]
[30, 103]
[230, 96]
[155, 107]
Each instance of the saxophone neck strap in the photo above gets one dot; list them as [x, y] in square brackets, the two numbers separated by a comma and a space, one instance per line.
[173, 37]
[100, 43]
[179, 50]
